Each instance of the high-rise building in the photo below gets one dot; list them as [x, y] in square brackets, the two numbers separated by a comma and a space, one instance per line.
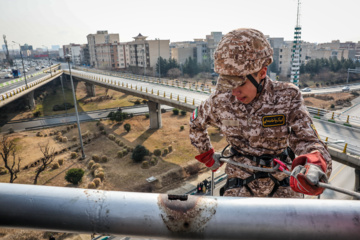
[296, 51]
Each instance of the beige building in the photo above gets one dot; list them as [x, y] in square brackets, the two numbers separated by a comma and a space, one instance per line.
[101, 37]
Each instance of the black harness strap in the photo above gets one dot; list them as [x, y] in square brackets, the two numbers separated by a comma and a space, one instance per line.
[263, 160]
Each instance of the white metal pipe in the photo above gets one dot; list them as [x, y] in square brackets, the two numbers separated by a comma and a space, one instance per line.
[177, 217]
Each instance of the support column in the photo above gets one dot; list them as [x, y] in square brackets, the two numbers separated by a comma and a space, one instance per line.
[155, 114]
[357, 180]
[30, 99]
[90, 89]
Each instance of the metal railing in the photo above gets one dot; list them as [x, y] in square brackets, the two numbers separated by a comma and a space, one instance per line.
[175, 216]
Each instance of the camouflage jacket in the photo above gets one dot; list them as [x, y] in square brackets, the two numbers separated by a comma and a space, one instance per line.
[275, 119]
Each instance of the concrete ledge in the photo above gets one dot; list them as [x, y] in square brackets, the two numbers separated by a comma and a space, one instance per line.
[345, 158]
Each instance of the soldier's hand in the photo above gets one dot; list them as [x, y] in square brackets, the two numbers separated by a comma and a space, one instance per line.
[211, 159]
[308, 170]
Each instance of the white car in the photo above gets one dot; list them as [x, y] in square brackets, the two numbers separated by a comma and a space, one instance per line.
[345, 89]
[307, 89]
[37, 68]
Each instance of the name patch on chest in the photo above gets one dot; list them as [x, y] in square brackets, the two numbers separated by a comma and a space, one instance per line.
[273, 120]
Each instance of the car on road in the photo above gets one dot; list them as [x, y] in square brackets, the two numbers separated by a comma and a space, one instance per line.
[345, 89]
[307, 89]
[37, 68]
[8, 76]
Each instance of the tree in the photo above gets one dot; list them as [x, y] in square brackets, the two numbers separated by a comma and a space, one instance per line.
[74, 175]
[174, 73]
[139, 153]
[48, 158]
[8, 150]
[127, 127]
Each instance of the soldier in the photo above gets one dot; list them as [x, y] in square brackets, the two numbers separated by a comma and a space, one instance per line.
[261, 120]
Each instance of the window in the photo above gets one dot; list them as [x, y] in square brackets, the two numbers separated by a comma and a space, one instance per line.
[280, 56]
[280, 62]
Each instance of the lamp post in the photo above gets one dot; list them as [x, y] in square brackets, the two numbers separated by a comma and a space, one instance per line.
[22, 60]
[68, 58]
[48, 58]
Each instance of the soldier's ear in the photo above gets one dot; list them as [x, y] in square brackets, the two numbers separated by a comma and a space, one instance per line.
[262, 73]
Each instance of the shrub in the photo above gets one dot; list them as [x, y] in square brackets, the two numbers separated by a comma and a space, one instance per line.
[163, 110]
[183, 113]
[74, 175]
[125, 151]
[55, 166]
[73, 155]
[95, 157]
[170, 148]
[166, 151]
[332, 106]
[91, 185]
[104, 159]
[119, 154]
[90, 164]
[117, 141]
[181, 128]
[137, 102]
[153, 161]
[145, 164]
[38, 134]
[127, 127]
[73, 138]
[111, 137]
[100, 175]
[97, 181]
[139, 153]
[103, 132]
[61, 161]
[121, 144]
[101, 127]
[175, 111]
[147, 115]
[64, 139]
[157, 152]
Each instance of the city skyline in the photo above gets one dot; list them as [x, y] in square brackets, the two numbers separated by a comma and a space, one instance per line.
[60, 22]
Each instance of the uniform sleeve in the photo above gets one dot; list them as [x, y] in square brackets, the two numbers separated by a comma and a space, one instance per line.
[199, 121]
[304, 137]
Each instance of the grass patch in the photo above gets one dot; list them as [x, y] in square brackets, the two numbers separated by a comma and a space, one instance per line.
[331, 120]
[57, 99]
[348, 124]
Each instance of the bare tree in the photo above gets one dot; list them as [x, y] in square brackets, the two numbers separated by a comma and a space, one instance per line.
[48, 158]
[174, 73]
[8, 150]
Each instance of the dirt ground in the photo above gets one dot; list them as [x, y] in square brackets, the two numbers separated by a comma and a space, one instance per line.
[121, 174]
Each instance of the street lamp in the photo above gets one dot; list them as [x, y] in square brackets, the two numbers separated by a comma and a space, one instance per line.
[22, 60]
[144, 60]
[68, 58]
[48, 58]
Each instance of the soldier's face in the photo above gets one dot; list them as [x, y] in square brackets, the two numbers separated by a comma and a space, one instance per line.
[245, 93]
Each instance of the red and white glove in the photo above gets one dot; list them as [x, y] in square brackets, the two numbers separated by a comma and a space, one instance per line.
[307, 171]
[211, 159]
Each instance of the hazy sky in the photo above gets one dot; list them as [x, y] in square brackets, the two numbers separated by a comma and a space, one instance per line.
[59, 22]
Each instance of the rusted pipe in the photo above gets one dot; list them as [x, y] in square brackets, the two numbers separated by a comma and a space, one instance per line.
[175, 216]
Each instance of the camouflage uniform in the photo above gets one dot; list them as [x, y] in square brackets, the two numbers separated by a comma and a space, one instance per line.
[275, 119]
[261, 127]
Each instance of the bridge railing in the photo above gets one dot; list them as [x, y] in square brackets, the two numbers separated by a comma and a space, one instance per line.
[13, 92]
[90, 211]
[28, 76]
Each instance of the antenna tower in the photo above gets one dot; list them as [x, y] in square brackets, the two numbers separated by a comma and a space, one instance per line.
[296, 50]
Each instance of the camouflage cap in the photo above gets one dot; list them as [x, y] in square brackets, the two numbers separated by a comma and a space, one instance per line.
[241, 52]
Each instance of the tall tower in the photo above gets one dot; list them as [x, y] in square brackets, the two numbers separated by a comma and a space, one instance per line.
[296, 50]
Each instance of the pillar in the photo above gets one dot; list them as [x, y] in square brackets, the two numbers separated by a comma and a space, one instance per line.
[357, 180]
[90, 89]
[155, 114]
[30, 100]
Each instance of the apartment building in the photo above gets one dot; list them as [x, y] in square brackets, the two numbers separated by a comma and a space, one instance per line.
[74, 50]
[101, 37]
[200, 49]
[85, 55]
